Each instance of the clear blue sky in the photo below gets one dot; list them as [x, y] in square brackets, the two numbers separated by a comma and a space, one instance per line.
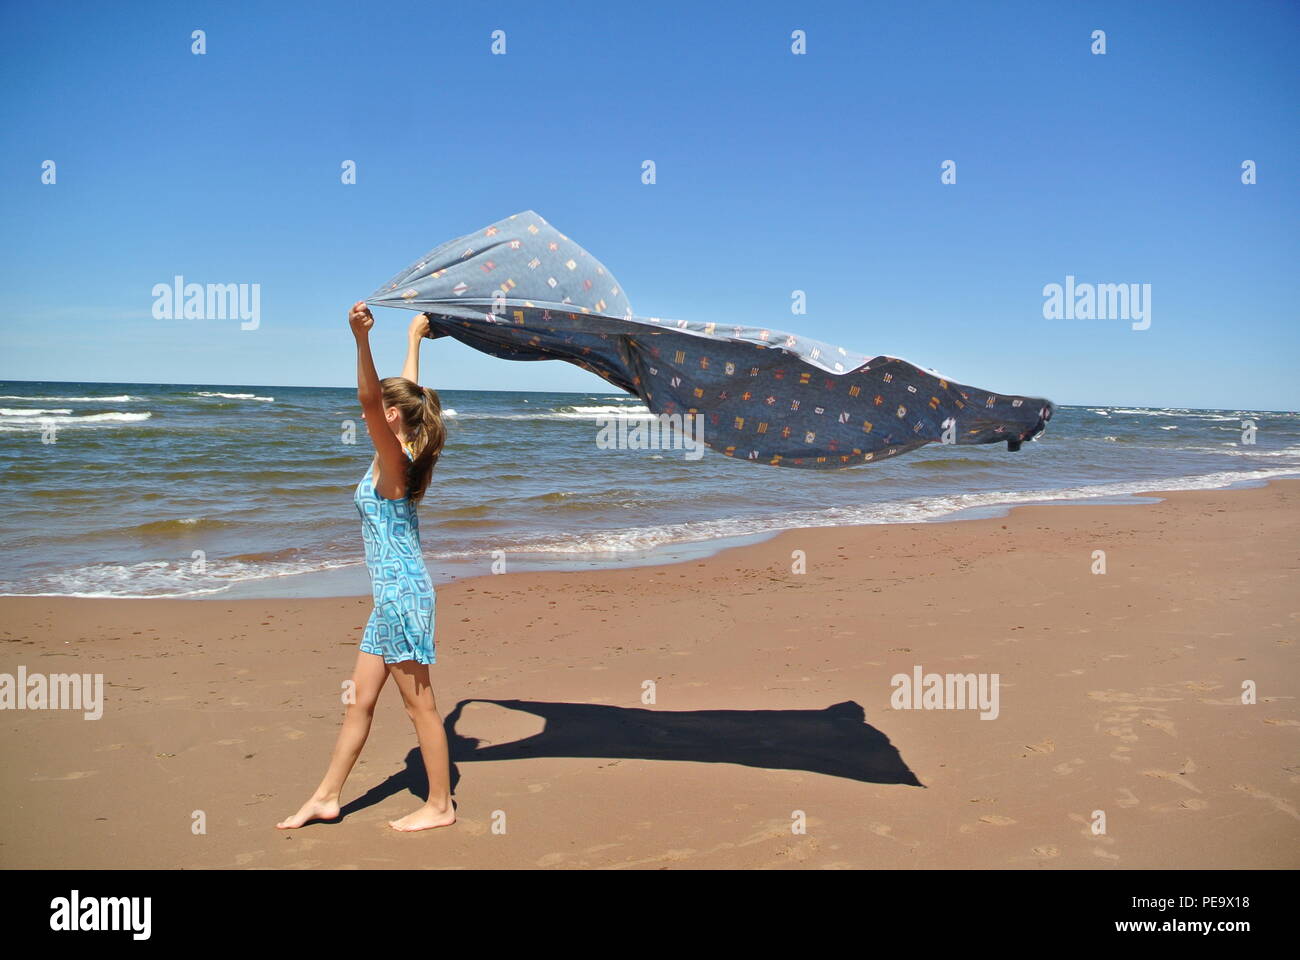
[775, 173]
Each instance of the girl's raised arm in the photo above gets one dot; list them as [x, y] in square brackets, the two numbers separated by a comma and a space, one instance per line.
[392, 459]
[419, 329]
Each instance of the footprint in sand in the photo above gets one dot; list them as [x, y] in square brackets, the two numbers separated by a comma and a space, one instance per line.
[1163, 724]
[1277, 802]
[776, 830]
[1047, 746]
[1178, 806]
[1168, 777]
[1126, 717]
[672, 855]
[74, 775]
[1120, 696]
[1122, 732]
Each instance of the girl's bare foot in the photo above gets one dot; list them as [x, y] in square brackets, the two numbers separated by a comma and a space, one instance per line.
[313, 809]
[426, 818]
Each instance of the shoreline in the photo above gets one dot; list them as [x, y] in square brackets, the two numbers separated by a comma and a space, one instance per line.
[355, 577]
[1120, 693]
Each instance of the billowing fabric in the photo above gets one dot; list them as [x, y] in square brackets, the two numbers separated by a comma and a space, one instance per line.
[401, 624]
[521, 290]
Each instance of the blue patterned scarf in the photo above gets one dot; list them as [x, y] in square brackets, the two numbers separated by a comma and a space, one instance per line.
[521, 290]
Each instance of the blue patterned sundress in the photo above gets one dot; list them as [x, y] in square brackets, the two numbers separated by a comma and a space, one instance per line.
[401, 625]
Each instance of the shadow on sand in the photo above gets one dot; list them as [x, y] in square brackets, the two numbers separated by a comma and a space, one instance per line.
[836, 741]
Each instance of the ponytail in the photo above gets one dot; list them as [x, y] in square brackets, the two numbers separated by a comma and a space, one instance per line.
[421, 411]
[430, 435]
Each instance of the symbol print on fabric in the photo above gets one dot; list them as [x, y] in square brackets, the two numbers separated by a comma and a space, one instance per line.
[619, 351]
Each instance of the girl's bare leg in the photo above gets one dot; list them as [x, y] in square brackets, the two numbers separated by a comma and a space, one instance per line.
[368, 680]
[412, 680]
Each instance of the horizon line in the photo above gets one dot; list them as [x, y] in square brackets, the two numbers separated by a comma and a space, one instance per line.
[291, 386]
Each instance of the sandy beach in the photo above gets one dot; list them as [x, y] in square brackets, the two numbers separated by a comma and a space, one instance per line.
[1120, 693]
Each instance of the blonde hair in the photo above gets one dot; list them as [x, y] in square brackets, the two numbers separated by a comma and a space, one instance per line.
[421, 412]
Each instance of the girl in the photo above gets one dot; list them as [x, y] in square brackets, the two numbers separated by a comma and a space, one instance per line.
[405, 424]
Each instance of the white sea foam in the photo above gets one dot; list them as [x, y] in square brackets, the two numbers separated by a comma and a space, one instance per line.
[638, 412]
[122, 399]
[910, 511]
[234, 396]
[602, 410]
[160, 578]
[105, 418]
[1205, 415]
[1249, 450]
[86, 420]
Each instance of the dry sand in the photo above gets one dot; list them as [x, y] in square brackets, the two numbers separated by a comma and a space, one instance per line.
[1119, 693]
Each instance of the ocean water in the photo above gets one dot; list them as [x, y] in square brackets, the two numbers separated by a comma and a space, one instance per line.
[219, 491]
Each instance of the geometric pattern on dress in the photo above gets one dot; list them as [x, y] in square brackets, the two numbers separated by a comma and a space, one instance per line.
[402, 621]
